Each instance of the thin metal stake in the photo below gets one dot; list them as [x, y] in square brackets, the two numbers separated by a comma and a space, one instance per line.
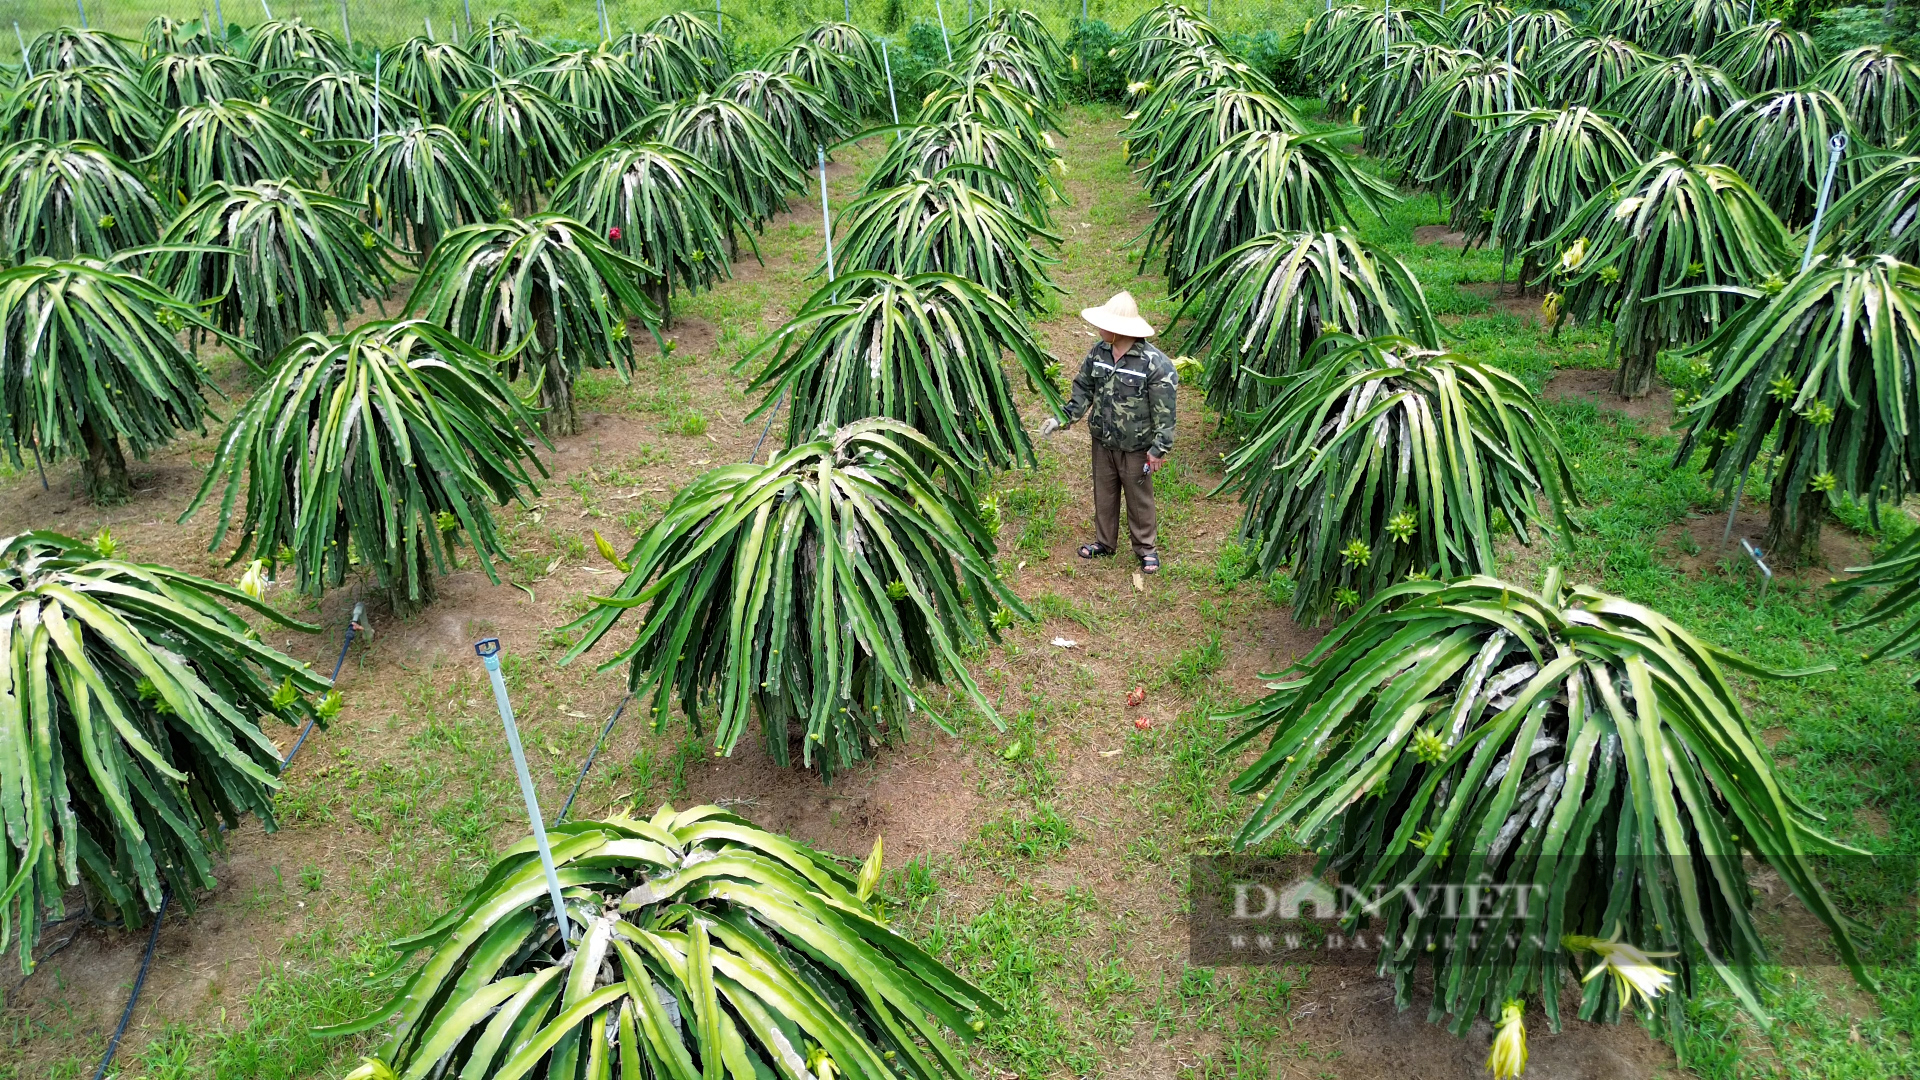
[218, 17]
[28, 63]
[489, 651]
[1509, 67]
[1083, 9]
[428, 19]
[1836, 146]
[268, 10]
[376, 95]
[1727, 534]
[1386, 37]
[82, 8]
[826, 216]
[891, 100]
[849, 5]
[942, 16]
[719, 22]
[466, 9]
[346, 28]
[1766, 571]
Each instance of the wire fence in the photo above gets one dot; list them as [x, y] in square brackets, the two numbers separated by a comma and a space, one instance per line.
[750, 26]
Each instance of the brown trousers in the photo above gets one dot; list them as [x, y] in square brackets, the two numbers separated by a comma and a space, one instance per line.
[1115, 471]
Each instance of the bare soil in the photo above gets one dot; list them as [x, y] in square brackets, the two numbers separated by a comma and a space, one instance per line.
[1696, 546]
[1443, 235]
[1506, 299]
[1596, 385]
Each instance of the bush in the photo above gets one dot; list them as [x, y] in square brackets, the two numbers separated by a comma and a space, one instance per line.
[1845, 28]
[1094, 76]
[1272, 56]
[923, 51]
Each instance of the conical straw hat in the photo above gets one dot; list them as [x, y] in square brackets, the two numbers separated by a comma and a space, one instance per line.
[1119, 315]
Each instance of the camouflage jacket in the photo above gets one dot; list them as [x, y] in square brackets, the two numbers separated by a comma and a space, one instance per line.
[1129, 405]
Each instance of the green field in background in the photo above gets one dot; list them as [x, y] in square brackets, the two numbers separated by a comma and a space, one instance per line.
[762, 23]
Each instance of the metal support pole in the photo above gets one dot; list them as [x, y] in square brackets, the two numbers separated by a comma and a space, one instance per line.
[428, 20]
[268, 10]
[826, 216]
[719, 22]
[346, 28]
[466, 11]
[1727, 533]
[606, 29]
[489, 651]
[892, 102]
[969, 12]
[81, 7]
[376, 95]
[1760, 563]
[849, 7]
[219, 17]
[942, 16]
[27, 63]
[1509, 67]
[1083, 9]
[1836, 146]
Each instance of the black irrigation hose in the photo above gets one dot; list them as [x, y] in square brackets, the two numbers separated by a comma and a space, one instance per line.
[353, 624]
[139, 981]
[763, 431]
[153, 937]
[591, 754]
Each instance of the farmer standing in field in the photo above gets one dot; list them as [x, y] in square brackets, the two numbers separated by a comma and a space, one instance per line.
[1126, 390]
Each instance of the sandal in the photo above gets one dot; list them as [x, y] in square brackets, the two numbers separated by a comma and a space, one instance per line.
[1095, 550]
[1150, 563]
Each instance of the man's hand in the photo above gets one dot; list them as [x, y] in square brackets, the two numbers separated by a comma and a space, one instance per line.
[1154, 464]
[1049, 426]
